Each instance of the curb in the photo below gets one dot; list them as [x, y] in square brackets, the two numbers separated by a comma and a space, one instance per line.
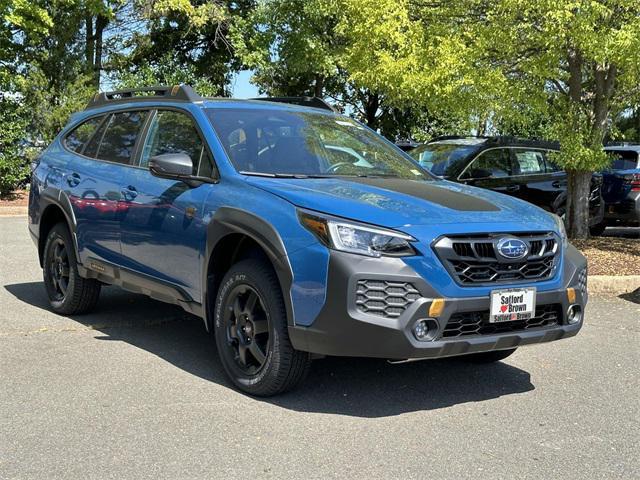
[613, 284]
[13, 211]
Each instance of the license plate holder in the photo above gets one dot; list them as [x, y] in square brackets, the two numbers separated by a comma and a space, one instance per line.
[512, 304]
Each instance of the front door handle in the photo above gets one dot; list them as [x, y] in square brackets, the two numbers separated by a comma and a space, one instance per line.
[555, 184]
[73, 179]
[513, 188]
[129, 193]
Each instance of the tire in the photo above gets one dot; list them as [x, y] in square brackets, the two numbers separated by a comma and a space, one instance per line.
[598, 229]
[251, 331]
[488, 357]
[68, 292]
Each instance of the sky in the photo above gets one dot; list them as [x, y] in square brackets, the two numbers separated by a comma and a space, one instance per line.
[241, 87]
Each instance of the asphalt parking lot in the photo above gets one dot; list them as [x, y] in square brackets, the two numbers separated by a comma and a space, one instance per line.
[135, 390]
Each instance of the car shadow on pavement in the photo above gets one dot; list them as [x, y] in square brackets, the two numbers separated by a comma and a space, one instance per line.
[343, 386]
[633, 297]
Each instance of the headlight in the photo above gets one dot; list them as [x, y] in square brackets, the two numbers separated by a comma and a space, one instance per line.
[356, 238]
[561, 230]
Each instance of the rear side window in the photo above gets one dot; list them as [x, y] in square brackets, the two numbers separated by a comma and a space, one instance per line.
[116, 139]
[175, 132]
[528, 162]
[79, 136]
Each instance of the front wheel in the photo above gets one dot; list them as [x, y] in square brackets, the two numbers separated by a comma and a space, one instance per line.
[489, 357]
[251, 331]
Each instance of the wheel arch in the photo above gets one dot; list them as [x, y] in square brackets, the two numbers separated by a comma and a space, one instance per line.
[56, 210]
[234, 234]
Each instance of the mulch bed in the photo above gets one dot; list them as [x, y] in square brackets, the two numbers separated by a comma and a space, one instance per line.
[18, 198]
[611, 255]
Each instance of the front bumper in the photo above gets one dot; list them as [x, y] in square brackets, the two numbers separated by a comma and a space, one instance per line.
[344, 329]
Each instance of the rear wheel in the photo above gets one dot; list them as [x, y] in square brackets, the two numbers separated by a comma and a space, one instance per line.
[68, 292]
[251, 331]
[488, 357]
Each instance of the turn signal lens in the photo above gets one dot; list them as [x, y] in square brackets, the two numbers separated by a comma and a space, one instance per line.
[571, 295]
[436, 308]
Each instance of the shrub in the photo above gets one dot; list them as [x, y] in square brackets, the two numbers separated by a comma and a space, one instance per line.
[14, 166]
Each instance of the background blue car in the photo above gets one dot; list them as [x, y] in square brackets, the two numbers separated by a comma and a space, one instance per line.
[294, 232]
[621, 187]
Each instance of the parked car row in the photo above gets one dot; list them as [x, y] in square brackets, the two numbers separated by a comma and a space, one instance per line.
[525, 169]
[522, 168]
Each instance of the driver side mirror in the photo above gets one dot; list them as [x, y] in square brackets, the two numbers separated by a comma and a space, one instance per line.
[176, 166]
[171, 165]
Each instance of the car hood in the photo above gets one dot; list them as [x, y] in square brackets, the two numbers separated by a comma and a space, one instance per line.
[398, 202]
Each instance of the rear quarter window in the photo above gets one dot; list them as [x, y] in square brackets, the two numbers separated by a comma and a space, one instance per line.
[79, 136]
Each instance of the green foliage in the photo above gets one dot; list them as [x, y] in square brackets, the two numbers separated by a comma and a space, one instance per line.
[560, 69]
[287, 41]
[167, 71]
[49, 107]
[13, 166]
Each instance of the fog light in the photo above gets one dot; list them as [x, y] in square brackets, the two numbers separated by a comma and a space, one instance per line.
[424, 328]
[574, 314]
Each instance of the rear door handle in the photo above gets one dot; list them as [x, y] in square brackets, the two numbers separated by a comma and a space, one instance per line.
[73, 179]
[129, 193]
[555, 184]
[513, 188]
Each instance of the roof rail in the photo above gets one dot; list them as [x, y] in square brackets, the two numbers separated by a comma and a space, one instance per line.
[621, 143]
[454, 137]
[313, 102]
[503, 140]
[183, 93]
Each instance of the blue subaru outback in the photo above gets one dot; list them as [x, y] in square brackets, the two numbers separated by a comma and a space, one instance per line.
[294, 233]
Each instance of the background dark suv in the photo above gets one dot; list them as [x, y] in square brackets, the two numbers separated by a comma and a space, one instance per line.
[521, 168]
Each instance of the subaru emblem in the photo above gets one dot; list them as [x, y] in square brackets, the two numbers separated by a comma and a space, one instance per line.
[512, 248]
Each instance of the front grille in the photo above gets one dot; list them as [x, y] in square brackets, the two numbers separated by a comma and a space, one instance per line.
[473, 260]
[385, 298]
[477, 323]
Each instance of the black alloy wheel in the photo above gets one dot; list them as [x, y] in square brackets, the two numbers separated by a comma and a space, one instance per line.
[251, 331]
[247, 328]
[58, 266]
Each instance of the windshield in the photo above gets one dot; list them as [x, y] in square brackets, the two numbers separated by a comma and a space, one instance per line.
[441, 158]
[295, 143]
[623, 159]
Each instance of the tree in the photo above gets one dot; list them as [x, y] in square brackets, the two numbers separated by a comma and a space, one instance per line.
[574, 65]
[17, 19]
[296, 47]
[191, 37]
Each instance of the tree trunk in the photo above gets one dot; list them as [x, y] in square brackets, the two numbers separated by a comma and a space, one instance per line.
[577, 211]
[101, 23]
[371, 105]
[319, 86]
[89, 47]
